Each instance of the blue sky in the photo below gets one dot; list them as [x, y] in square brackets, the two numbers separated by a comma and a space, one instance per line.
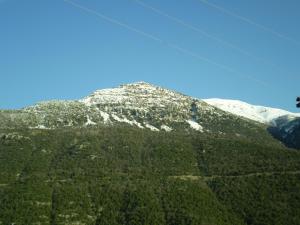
[53, 50]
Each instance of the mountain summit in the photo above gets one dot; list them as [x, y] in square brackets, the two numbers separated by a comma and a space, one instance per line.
[146, 106]
[141, 105]
[138, 104]
[135, 94]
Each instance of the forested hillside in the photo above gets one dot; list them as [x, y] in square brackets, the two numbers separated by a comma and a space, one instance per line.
[125, 175]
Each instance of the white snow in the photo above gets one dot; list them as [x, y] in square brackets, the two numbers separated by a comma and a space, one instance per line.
[112, 95]
[195, 125]
[166, 128]
[137, 124]
[105, 116]
[42, 127]
[151, 127]
[89, 122]
[261, 114]
[115, 117]
[139, 95]
[125, 120]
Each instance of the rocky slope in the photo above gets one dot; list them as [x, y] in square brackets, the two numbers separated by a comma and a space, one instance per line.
[287, 130]
[141, 105]
[283, 125]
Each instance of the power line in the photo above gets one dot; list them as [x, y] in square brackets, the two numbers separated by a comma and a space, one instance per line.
[201, 31]
[168, 44]
[109, 19]
[229, 69]
[250, 21]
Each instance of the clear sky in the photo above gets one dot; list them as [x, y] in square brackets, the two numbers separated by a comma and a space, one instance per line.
[52, 49]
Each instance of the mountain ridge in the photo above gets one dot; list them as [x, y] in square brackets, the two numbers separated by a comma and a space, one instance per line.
[141, 105]
[156, 96]
[258, 113]
[283, 125]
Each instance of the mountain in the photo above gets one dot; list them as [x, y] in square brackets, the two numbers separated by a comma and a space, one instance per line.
[283, 125]
[261, 114]
[139, 154]
[147, 106]
[141, 105]
[287, 130]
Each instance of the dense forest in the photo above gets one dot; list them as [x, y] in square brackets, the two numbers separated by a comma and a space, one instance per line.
[123, 175]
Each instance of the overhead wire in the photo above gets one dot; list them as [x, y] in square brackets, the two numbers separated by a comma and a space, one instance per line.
[168, 44]
[201, 31]
[205, 33]
[250, 21]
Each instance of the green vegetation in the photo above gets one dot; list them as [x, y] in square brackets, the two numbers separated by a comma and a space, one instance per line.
[122, 175]
[263, 199]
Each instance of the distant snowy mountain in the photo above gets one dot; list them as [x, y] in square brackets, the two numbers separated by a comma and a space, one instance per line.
[283, 125]
[261, 114]
[287, 130]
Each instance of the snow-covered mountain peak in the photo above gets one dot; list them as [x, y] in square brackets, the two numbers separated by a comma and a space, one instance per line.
[140, 84]
[254, 112]
[134, 94]
[141, 105]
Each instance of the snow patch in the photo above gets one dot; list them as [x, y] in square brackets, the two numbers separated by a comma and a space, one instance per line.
[194, 125]
[111, 95]
[137, 124]
[115, 117]
[166, 128]
[254, 112]
[40, 126]
[125, 120]
[139, 95]
[89, 121]
[105, 116]
[151, 127]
